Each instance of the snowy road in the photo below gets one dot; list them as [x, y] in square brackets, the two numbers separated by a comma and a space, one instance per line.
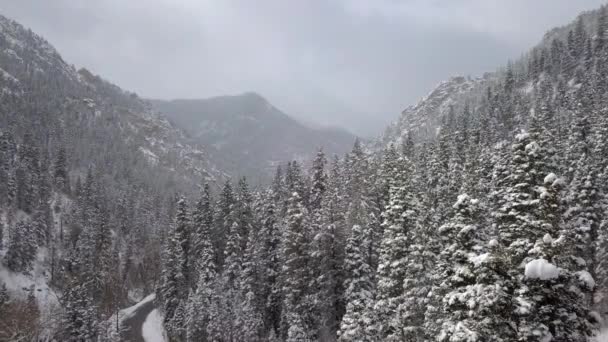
[135, 322]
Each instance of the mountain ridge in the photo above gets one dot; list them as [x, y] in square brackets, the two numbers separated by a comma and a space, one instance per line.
[249, 133]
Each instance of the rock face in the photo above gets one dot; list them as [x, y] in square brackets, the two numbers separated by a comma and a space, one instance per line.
[423, 119]
[248, 135]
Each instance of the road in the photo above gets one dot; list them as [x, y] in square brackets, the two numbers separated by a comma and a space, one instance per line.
[134, 323]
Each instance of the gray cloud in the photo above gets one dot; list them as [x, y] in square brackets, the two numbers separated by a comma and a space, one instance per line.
[349, 63]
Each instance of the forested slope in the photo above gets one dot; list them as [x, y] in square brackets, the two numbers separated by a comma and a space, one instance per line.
[482, 218]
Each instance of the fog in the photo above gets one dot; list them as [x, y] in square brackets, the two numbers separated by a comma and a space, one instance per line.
[349, 63]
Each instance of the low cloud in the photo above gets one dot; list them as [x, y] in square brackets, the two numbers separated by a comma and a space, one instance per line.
[349, 63]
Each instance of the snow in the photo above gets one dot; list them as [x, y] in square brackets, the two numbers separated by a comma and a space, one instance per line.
[128, 312]
[586, 278]
[18, 284]
[478, 259]
[522, 136]
[532, 148]
[152, 330]
[601, 337]
[461, 199]
[8, 76]
[550, 178]
[151, 156]
[541, 269]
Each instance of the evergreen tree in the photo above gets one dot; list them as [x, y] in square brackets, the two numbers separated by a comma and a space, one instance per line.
[202, 233]
[400, 224]
[22, 247]
[359, 294]
[296, 312]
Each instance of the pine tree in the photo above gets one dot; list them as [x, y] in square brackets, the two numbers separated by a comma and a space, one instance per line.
[400, 226]
[202, 225]
[297, 330]
[319, 180]
[471, 294]
[296, 314]
[200, 300]
[359, 294]
[60, 174]
[551, 304]
[325, 268]
[22, 247]
[79, 322]
[4, 297]
[268, 256]
[174, 288]
[222, 223]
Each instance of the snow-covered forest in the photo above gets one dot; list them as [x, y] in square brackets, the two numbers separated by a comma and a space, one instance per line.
[486, 220]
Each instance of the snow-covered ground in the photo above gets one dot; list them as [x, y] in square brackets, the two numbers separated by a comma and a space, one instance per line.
[19, 284]
[130, 311]
[602, 337]
[152, 330]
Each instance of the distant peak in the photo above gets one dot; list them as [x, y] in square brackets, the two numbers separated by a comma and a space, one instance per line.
[253, 96]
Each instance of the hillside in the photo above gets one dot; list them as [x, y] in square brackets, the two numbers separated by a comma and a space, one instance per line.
[81, 161]
[114, 126]
[247, 135]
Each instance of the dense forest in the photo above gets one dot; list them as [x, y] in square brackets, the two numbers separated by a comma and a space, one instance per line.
[494, 227]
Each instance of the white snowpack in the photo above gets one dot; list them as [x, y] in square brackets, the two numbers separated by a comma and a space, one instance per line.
[586, 278]
[550, 178]
[152, 330]
[461, 198]
[541, 269]
[128, 312]
[602, 336]
[478, 259]
[532, 148]
[18, 284]
[521, 136]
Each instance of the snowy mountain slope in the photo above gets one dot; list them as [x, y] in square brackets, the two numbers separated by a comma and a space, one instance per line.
[31, 65]
[423, 119]
[248, 135]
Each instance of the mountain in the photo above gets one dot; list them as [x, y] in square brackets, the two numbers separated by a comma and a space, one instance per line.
[98, 122]
[88, 178]
[482, 214]
[248, 135]
[423, 120]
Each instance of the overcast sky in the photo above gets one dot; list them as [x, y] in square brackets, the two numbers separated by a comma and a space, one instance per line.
[349, 63]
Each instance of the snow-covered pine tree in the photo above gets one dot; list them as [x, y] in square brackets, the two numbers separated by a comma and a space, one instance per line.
[400, 227]
[318, 180]
[222, 223]
[550, 297]
[268, 257]
[79, 322]
[202, 225]
[200, 299]
[359, 293]
[471, 293]
[174, 287]
[296, 315]
[22, 247]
